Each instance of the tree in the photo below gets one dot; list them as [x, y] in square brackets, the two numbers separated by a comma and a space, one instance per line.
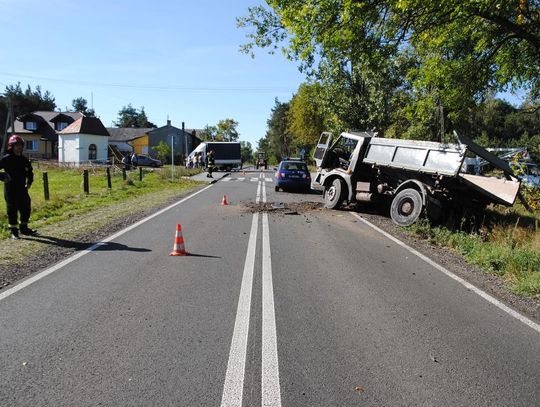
[448, 55]
[23, 102]
[81, 105]
[226, 130]
[278, 135]
[128, 116]
[208, 133]
[163, 151]
[246, 151]
[306, 121]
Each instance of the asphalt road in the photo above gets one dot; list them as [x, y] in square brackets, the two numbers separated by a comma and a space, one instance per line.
[302, 307]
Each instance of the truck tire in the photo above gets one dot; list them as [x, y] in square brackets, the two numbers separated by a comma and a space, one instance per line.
[334, 194]
[406, 207]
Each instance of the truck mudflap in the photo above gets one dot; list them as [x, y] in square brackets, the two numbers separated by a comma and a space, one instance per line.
[501, 191]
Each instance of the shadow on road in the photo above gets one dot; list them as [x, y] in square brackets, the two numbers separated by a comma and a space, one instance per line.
[203, 255]
[51, 240]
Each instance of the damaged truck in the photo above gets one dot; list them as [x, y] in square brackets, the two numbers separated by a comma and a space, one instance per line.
[415, 177]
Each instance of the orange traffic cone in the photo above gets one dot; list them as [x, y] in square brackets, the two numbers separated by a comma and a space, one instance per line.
[224, 200]
[178, 248]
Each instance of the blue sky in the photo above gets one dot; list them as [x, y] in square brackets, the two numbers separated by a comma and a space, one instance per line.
[178, 59]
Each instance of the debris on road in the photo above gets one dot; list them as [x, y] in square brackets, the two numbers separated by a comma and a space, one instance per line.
[289, 208]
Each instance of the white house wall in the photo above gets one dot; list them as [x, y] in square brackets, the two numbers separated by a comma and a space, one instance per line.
[101, 142]
[68, 148]
[73, 148]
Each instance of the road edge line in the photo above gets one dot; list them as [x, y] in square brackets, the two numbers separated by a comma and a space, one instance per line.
[530, 323]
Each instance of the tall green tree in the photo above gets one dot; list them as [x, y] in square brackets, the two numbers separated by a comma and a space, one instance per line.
[306, 120]
[226, 130]
[128, 116]
[246, 150]
[279, 137]
[447, 55]
[81, 105]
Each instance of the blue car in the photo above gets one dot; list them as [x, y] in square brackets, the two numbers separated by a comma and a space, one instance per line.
[292, 175]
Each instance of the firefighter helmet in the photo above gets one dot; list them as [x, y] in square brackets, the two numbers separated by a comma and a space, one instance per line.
[15, 140]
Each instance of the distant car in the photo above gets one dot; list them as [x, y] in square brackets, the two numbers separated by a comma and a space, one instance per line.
[292, 175]
[145, 161]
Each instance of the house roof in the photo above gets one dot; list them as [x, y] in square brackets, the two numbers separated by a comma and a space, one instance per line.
[126, 133]
[45, 123]
[86, 125]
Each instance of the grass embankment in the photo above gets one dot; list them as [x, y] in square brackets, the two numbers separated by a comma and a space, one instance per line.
[506, 245]
[68, 200]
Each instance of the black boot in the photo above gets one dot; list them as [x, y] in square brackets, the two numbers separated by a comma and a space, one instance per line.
[14, 233]
[25, 230]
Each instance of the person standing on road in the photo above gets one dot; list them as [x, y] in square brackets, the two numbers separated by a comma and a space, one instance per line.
[211, 162]
[18, 177]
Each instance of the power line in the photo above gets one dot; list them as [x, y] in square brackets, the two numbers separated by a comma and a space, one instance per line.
[154, 87]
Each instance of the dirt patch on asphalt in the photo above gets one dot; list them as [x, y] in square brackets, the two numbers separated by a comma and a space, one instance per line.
[282, 208]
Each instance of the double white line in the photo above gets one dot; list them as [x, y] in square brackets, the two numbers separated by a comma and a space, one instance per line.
[234, 378]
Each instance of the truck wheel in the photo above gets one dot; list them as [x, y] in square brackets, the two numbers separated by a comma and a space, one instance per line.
[276, 188]
[333, 195]
[406, 207]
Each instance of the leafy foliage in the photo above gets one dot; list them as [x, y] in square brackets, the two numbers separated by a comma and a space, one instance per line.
[414, 67]
[23, 102]
[128, 116]
[81, 105]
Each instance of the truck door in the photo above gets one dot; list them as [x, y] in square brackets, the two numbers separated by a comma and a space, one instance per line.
[322, 147]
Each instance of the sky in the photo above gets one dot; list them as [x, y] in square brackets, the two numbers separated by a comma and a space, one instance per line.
[180, 60]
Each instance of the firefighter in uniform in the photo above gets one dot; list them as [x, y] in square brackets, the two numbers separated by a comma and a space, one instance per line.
[211, 163]
[18, 177]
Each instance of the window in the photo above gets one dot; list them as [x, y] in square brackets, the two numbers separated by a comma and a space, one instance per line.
[92, 152]
[61, 126]
[32, 145]
[30, 125]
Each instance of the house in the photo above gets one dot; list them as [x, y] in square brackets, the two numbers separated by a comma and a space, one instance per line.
[126, 139]
[182, 142]
[85, 140]
[40, 131]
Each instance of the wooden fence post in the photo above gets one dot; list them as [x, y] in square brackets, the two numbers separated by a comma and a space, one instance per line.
[46, 185]
[140, 173]
[109, 184]
[85, 182]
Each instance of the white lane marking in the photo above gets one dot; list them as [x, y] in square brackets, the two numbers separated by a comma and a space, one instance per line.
[227, 179]
[241, 178]
[234, 378]
[263, 191]
[261, 175]
[268, 179]
[254, 179]
[50, 270]
[271, 393]
[468, 285]
[258, 197]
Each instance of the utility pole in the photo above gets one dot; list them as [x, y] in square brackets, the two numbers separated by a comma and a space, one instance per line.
[172, 157]
[9, 121]
[185, 141]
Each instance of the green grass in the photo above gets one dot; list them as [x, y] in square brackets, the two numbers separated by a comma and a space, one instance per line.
[507, 245]
[67, 197]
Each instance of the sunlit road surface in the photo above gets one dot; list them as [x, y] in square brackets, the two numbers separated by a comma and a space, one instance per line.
[276, 305]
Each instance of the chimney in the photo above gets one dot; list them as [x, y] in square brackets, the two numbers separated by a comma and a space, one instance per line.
[168, 122]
